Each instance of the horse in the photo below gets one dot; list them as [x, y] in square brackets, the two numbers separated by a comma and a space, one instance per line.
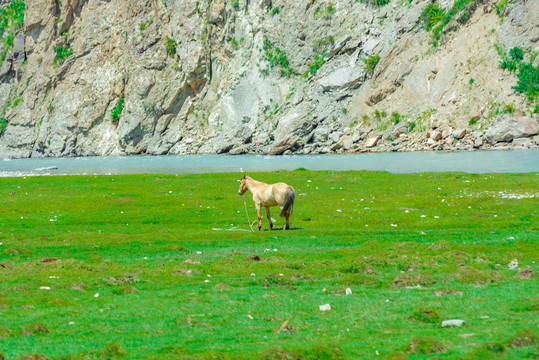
[267, 195]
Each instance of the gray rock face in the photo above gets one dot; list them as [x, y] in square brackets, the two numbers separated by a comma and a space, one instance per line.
[506, 127]
[225, 79]
[521, 25]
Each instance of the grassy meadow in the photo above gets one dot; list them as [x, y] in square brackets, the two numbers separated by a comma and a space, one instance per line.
[161, 267]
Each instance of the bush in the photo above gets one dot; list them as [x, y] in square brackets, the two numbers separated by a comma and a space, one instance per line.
[516, 53]
[371, 63]
[3, 125]
[276, 56]
[117, 110]
[395, 117]
[315, 64]
[431, 15]
[528, 81]
[171, 45]
[62, 53]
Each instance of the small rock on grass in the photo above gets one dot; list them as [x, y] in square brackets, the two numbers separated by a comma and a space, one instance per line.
[513, 264]
[453, 322]
[325, 307]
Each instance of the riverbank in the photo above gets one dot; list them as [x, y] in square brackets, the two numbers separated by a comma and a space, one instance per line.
[164, 266]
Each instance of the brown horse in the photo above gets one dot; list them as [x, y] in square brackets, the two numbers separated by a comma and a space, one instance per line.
[268, 195]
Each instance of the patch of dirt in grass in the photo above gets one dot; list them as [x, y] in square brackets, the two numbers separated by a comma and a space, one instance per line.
[273, 280]
[4, 332]
[285, 327]
[222, 287]
[441, 245]
[122, 200]
[183, 272]
[455, 258]
[113, 351]
[425, 314]
[447, 292]
[399, 355]
[523, 338]
[35, 329]
[77, 286]
[32, 357]
[127, 279]
[470, 275]
[404, 280]
[253, 258]
[48, 260]
[20, 288]
[7, 265]
[524, 274]
[424, 346]
[125, 290]
[358, 279]
[326, 352]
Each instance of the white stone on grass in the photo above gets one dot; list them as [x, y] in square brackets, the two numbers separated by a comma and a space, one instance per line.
[454, 322]
[325, 307]
[513, 264]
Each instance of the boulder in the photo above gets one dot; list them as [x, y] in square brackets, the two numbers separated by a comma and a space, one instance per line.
[372, 141]
[347, 77]
[447, 132]
[506, 127]
[435, 135]
[460, 133]
[347, 142]
[335, 136]
[282, 146]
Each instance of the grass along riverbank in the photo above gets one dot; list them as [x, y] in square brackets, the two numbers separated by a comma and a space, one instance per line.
[132, 266]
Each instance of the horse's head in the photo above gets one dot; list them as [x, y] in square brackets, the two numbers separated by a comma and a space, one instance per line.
[243, 185]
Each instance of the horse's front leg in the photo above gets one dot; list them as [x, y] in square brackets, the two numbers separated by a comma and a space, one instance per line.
[259, 213]
[269, 217]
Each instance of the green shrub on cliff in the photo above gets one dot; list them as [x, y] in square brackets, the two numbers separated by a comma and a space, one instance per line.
[117, 110]
[275, 56]
[170, 45]
[3, 125]
[62, 53]
[11, 20]
[316, 64]
[370, 63]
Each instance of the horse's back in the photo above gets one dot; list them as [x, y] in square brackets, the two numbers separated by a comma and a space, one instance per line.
[280, 192]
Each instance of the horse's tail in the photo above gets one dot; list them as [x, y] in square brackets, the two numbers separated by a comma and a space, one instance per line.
[288, 206]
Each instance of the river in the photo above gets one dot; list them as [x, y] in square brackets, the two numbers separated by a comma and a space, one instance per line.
[502, 161]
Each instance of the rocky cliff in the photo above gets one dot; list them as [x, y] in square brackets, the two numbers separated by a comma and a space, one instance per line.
[115, 77]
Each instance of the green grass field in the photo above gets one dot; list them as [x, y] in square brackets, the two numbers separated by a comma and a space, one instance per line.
[156, 267]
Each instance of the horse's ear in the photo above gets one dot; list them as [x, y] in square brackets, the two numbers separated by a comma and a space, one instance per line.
[243, 177]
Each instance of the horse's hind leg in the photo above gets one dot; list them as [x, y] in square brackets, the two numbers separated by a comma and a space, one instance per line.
[287, 225]
[259, 213]
[269, 217]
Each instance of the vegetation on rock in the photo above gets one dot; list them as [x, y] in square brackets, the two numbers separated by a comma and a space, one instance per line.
[11, 20]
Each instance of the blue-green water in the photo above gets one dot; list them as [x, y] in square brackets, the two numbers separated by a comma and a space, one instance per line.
[516, 161]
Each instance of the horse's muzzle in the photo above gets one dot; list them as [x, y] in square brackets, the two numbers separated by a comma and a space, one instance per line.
[239, 192]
